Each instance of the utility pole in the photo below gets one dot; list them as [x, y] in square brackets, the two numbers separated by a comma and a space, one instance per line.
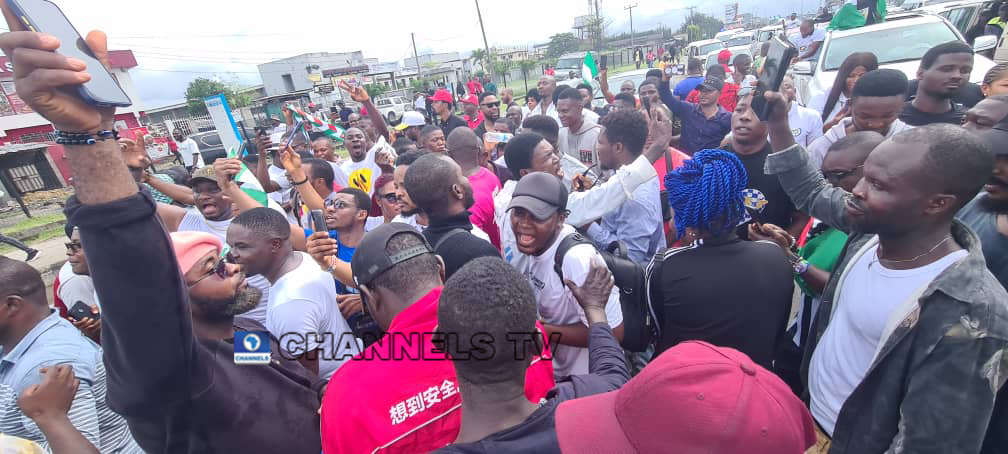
[691, 8]
[416, 59]
[483, 31]
[630, 8]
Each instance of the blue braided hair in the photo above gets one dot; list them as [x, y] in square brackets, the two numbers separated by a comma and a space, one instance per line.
[706, 192]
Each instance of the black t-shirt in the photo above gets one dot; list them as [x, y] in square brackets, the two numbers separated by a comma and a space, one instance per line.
[733, 294]
[450, 124]
[915, 117]
[461, 247]
[969, 94]
[779, 209]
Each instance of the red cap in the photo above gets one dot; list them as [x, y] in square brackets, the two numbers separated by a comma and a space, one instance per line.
[694, 398]
[724, 56]
[441, 95]
[471, 99]
[311, 105]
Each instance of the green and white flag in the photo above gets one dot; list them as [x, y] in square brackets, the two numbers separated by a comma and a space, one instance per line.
[850, 16]
[248, 181]
[588, 68]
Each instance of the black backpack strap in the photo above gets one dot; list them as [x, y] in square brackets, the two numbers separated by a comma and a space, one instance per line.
[566, 243]
[446, 236]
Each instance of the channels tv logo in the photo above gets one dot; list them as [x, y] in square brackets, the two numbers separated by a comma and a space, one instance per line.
[251, 347]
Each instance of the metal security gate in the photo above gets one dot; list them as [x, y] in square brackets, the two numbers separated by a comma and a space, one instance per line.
[26, 178]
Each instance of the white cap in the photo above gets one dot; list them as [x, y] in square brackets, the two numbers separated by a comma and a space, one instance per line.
[412, 118]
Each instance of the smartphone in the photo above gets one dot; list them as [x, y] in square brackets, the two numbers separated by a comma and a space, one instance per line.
[775, 66]
[604, 62]
[80, 310]
[290, 139]
[45, 17]
[318, 221]
[668, 70]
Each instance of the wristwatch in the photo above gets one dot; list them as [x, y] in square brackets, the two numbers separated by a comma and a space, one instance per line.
[800, 266]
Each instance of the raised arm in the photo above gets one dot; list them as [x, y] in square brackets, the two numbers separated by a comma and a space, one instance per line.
[676, 105]
[262, 169]
[803, 183]
[177, 192]
[603, 81]
[359, 94]
[148, 345]
[292, 164]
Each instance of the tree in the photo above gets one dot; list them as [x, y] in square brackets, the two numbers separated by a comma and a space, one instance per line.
[478, 56]
[202, 87]
[706, 27]
[526, 66]
[375, 90]
[561, 43]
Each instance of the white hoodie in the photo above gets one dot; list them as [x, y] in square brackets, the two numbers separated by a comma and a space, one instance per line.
[819, 147]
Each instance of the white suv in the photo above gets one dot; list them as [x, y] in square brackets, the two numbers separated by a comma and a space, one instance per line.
[899, 43]
[392, 108]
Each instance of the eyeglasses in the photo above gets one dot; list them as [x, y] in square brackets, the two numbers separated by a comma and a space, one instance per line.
[220, 270]
[492, 104]
[74, 246]
[337, 204]
[837, 175]
[390, 197]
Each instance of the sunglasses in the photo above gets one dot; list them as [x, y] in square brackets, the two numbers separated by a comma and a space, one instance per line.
[219, 270]
[390, 197]
[492, 104]
[74, 246]
[837, 175]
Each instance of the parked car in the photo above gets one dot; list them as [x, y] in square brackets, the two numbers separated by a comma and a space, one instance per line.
[210, 146]
[698, 49]
[393, 107]
[899, 43]
[763, 35]
[712, 57]
[568, 63]
[969, 17]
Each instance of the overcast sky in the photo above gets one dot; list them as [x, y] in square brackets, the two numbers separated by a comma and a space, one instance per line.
[178, 41]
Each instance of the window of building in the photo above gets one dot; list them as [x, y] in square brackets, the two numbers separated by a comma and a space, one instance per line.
[288, 83]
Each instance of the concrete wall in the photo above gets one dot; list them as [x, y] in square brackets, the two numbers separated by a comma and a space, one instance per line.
[272, 73]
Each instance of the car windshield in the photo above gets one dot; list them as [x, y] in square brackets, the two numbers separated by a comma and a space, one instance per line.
[739, 41]
[569, 63]
[890, 45]
[765, 35]
[710, 47]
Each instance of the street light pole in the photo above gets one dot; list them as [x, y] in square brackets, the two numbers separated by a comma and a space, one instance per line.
[483, 31]
[416, 59]
[630, 8]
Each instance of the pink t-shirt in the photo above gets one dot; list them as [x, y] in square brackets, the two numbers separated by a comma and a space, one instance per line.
[485, 184]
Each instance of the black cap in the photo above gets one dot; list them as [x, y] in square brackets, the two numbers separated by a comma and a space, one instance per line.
[712, 82]
[370, 258]
[540, 193]
[996, 138]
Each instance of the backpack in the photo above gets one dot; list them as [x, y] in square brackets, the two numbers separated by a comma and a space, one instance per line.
[640, 329]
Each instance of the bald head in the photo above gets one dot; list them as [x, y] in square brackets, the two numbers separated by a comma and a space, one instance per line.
[464, 147]
[20, 279]
[546, 86]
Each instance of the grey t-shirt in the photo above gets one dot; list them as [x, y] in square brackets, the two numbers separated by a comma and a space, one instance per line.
[994, 244]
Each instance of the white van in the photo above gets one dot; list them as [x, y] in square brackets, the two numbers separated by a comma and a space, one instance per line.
[699, 49]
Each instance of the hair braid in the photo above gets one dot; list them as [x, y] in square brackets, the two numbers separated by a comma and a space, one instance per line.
[706, 192]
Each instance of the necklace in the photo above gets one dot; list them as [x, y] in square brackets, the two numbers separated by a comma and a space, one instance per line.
[880, 259]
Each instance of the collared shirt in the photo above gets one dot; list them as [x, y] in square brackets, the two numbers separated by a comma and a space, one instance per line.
[413, 402]
[637, 224]
[698, 131]
[449, 125]
[551, 111]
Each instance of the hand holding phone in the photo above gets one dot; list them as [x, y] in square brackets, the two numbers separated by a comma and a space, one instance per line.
[41, 79]
[775, 66]
[80, 310]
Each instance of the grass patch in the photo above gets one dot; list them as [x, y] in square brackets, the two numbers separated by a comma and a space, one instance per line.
[35, 222]
[45, 235]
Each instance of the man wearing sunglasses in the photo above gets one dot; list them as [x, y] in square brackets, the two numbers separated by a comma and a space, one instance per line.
[489, 106]
[73, 284]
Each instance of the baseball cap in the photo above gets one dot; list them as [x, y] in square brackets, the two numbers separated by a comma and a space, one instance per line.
[311, 104]
[441, 95]
[189, 247]
[724, 56]
[996, 139]
[203, 173]
[471, 99]
[541, 194]
[712, 83]
[411, 118]
[370, 258]
[695, 397]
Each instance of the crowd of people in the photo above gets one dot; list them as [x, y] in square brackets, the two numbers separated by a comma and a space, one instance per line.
[668, 273]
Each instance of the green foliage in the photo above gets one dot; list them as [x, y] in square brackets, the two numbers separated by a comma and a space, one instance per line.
[202, 87]
[562, 43]
[700, 26]
[375, 90]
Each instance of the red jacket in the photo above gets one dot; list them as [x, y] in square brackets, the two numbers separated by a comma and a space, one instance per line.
[403, 405]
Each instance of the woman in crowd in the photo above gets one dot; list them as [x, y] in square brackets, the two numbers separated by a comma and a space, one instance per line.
[995, 82]
[385, 205]
[833, 104]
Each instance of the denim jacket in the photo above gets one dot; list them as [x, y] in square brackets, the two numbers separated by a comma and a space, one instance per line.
[932, 385]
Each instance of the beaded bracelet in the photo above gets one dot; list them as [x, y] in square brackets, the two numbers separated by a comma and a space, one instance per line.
[84, 138]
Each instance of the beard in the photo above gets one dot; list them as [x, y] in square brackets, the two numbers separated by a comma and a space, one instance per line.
[467, 197]
[243, 301]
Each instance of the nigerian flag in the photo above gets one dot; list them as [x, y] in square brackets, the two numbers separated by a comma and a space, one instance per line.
[849, 15]
[248, 181]
[588, 68]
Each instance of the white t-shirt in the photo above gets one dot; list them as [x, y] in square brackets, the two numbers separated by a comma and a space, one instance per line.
[302, 303]
[550, 112]
[556, 304]
[362, 175]
[339, 177]
[803, 42]
[790, 24]
[420, 103]
[409, 220]
[806, 124]
[871, 300]
[817, 102]
[75, 287]
[278, 175]
[187, 148]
